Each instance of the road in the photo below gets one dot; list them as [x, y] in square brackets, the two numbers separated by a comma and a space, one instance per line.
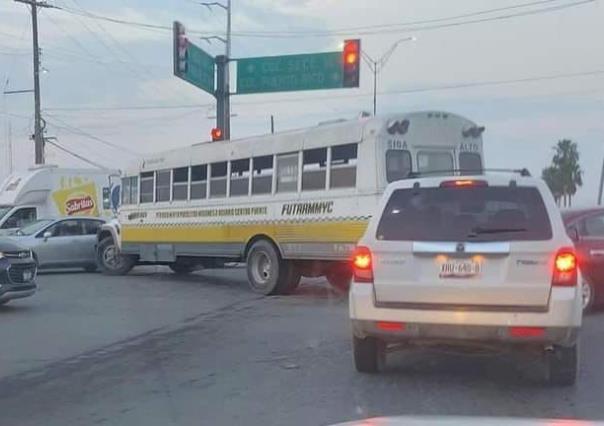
[156, 349]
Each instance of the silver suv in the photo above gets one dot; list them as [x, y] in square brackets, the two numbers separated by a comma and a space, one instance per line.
[473, 260]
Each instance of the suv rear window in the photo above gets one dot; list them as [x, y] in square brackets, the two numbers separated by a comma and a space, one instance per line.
[495, 213]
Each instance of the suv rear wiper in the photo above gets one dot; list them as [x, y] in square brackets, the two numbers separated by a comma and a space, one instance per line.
[481, 231]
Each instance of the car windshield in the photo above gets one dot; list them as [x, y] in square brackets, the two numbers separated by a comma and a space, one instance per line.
[465, 214]
[34, 227]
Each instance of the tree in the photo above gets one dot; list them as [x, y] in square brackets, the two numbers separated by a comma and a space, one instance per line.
[564, 176]
[551, 176]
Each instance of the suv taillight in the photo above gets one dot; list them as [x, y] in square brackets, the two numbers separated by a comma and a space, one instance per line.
[362, 265]
[565, 268]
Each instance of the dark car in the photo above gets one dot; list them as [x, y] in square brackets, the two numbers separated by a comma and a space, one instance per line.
[586, 228]
[17, 271]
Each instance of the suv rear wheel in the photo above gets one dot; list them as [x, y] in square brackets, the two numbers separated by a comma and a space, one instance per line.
[561, 365]
[369, 354]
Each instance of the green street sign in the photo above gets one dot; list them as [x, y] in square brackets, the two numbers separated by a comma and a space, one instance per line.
[200, 68]
[192, 63]
[312, 71]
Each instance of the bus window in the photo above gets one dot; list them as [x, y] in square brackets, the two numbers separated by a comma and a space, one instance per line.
[287, 172]
[343, 166]
[129, 190]
[199, 181]
[180, 183]
[470, 161]
[398, 165]
[314, 169]
[218, 179]
[162, 185]
[126, 191]
[240, 177]
[434, 161]
[262, 179]
[146, 187]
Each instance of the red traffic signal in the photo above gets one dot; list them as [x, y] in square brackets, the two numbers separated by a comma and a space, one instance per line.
[351, 63]
[216, 134]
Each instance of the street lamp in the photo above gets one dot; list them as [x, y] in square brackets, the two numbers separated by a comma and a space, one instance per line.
[377, 65]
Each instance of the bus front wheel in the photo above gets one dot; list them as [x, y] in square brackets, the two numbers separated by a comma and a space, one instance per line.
[111, 261]
[267, 272]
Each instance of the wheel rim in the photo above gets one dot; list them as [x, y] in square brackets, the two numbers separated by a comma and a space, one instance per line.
[586, 294]
[111, 259]
[261, 268]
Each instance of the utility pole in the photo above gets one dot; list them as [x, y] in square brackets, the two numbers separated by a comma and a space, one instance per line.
[377, 65]
[38, 127]
[272, 124]
[601, 186]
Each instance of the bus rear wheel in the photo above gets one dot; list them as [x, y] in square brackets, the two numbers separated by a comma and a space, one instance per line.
[268, 273]
[111, 261]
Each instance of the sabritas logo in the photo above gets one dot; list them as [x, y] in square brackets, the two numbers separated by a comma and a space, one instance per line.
[79, 204]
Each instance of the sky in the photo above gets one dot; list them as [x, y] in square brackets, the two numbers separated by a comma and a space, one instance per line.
[108, 92]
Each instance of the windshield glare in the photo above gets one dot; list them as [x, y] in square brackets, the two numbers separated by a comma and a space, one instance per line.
[33, 227]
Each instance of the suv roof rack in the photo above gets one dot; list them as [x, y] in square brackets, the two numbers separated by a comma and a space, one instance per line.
[452, 172]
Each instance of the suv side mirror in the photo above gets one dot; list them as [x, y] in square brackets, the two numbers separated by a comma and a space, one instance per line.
[47, 235]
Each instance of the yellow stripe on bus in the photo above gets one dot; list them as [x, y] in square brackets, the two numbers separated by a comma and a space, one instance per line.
[337, 232]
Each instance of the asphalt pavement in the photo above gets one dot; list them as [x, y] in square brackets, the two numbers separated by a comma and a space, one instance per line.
[153, 348]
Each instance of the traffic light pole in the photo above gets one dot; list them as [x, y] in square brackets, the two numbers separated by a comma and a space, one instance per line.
[222, 96]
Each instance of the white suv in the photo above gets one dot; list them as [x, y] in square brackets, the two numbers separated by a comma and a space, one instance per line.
[473, 260]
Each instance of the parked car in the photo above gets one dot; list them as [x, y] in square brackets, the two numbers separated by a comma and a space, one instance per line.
[17, 272]
[586, 228]
[479, 261]
[61, 243]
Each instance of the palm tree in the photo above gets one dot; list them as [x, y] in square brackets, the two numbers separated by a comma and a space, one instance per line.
[564, 176]
[566, 161]
[551, 176]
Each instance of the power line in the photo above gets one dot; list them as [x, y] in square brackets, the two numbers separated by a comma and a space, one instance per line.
[131, 107]
[371, 30]
[411, 28]
[409, 23]
[451, 86]
[81, 132]
[74, 154]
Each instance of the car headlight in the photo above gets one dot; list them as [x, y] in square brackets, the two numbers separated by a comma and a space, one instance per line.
[1, 255]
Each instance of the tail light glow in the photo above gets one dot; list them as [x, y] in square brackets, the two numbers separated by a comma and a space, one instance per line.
[565, 268]
[362, 264]
[527, 331]
[390, 326]
[462, 183]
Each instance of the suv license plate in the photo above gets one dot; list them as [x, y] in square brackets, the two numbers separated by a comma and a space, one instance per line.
[463, 269]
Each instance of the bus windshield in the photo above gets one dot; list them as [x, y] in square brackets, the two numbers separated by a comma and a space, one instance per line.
[4, 210]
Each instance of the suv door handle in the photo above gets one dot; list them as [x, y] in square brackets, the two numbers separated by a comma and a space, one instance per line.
[595, 253]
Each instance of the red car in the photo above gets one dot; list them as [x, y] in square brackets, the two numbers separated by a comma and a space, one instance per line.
[586, 228]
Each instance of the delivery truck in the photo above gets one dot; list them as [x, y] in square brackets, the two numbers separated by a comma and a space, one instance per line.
[50, 191]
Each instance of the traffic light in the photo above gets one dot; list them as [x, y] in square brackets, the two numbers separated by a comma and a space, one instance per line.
[180, 49]
[216, 134]
[351, 63]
